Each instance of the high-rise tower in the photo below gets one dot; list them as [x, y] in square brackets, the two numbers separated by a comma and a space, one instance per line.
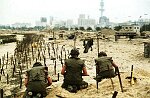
[101, 7]
[103, 20]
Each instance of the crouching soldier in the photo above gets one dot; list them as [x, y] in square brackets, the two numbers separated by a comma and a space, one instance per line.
[104, 67]
[36, 81]
[73, 70]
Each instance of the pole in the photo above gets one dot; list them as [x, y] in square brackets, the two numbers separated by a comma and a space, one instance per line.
[115, 94]
[58, 76]
[119, 79]
[98, 42]
[132, 79]
[97, 68]
[1, 93]
[75, 40]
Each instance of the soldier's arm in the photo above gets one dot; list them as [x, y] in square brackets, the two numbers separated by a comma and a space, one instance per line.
[26, 80]
[49, 81]
[114, 65]
[63, 70]
[84, 72]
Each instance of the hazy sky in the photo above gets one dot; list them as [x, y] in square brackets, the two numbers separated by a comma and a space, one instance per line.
[12, 11]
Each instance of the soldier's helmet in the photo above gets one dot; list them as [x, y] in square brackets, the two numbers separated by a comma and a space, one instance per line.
[37, 64]
[74, 52]
[102, 54]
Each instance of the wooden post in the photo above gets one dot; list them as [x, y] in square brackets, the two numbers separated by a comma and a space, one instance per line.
[117, 69]
[30, 61]
[65, 54]
[7, 61]
[57, 50]
[44, 61]
[115, 94]
[26, 57]
[7, 56]
[49, 51]
[38, 54]
[132, 78]
[32, 53]
[20, 67]
[7, 79]
[58, 76]
[3, 59]
[98, 43]
[97, 68]
[14, 69]
[2, 69]
[1, 93]
[28, 51]
[55, 68]
[36, 59]
[0, 63]
[27, 62]
[59, 58]
[11, 61]
[20, 79]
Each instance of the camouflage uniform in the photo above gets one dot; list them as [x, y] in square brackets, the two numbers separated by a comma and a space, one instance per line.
[105, 68]
[73, 75]
[36, 80]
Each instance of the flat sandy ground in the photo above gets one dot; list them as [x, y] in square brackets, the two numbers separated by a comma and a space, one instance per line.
[125, 53]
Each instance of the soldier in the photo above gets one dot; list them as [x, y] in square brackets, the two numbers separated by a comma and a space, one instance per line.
[72, 71]
[87, 45]
[104, 66]
[36, 81]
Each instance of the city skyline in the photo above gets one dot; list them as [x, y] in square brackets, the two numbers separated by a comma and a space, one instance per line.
[29, 11]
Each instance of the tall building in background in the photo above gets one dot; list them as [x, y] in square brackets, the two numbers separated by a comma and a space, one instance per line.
[103, 20]
[69, 23]
[42, 22]
[86, 22]
[51, 19]
[82, 16]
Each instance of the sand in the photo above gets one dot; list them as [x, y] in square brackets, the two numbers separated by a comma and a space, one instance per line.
[125, 53]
